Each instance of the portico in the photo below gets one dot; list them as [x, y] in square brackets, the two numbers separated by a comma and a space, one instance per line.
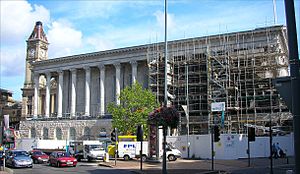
[83, 90]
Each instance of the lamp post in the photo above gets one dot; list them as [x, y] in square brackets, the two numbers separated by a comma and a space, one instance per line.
[166, 93]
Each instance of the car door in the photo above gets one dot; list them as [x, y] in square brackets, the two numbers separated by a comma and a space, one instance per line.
[51, 158]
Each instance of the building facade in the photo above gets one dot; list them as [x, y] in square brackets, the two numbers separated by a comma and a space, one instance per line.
[235, 68]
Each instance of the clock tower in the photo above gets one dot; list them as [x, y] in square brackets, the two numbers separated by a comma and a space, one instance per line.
[37, 50]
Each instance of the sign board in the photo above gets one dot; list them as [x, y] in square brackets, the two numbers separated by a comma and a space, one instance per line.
[218, 106]
[6, 121]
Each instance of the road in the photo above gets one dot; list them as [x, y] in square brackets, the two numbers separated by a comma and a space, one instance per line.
[81, 168]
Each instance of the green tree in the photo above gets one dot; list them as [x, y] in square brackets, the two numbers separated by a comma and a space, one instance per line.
[135, 105]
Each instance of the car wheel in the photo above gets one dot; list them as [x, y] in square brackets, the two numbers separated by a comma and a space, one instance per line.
[144, 158]
[78, 158]
[89, 159]
[126, 158]
[35, 161]
[74, 166]
[57, 164]
[171, 158]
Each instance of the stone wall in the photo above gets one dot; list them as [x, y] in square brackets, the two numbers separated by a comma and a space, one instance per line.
[95, 127]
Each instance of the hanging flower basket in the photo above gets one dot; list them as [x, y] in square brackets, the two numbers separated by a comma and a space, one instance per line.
[164, 116]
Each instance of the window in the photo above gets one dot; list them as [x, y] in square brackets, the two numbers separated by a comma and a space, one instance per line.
[72, 133]
[87, 133]
[45, 133]
[58, 134]
[33, 132]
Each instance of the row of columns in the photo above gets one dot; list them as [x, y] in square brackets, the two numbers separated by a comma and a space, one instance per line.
[73, 89]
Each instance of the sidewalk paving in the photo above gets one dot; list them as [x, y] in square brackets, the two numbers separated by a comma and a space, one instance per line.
[183, 166]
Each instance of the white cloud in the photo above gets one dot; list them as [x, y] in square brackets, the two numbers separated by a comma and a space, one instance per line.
[160, 19]
[18, 18]
[17, 22]
[99, 43]
[64, 39]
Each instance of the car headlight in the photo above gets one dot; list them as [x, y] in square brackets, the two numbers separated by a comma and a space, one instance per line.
[39, 157]
[75, 159]
[62, 161]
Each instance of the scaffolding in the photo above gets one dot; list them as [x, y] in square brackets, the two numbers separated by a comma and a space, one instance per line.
[235, 68]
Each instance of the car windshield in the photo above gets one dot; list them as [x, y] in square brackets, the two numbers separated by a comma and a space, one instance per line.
[20, 153]
[94, 146]
[38, 153]
[97, 149]
[63, 154]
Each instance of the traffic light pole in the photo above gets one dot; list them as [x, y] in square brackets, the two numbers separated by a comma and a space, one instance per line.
[248, 151]
[295, 76]
[212, 148]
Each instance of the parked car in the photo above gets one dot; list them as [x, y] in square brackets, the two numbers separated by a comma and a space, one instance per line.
[38, 156]
[18, 158]
[62, 158]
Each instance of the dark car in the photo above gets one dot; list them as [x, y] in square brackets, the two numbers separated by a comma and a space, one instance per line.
[39, 156]
[18, 158]
[62, 158]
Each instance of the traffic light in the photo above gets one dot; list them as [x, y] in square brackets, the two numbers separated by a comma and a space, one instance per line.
[113, 135]
[251, 134]
[216, 134]
[139, 133]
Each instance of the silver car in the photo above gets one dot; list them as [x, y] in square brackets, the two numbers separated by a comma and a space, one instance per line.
[18, 158]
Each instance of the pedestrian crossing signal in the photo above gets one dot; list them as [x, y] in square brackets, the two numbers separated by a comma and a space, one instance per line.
[113, 135]
[216, 134]
[251, 134]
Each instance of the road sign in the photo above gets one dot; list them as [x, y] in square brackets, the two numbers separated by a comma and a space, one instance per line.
[218, 106]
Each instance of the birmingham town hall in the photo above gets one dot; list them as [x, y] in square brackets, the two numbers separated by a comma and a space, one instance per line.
[66, 97]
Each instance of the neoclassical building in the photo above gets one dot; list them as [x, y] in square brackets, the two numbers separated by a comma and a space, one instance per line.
[66, 97]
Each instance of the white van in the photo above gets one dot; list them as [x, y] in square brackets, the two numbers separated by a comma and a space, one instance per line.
[128, 150]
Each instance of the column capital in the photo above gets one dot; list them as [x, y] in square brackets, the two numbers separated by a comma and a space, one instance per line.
[73, 70]
[133, 62]
[87, 68]
[117, 65]
[101, 66]
[60, 71]
[48, 74]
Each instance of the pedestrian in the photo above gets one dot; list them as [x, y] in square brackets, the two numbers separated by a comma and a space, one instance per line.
[273, 150]
[277, 149]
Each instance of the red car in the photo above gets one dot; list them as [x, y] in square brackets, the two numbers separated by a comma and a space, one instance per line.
[39, 156]
[62, 158]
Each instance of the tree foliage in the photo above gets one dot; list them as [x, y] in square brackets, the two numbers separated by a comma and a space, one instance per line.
[136, 104]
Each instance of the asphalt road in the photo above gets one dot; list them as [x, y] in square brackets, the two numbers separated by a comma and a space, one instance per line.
[81, 168]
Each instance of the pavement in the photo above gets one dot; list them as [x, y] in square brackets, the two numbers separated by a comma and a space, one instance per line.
[187, 166]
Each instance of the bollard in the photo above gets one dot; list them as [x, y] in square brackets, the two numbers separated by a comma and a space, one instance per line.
[106, 157]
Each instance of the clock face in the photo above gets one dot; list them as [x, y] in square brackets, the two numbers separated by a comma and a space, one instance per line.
[42, 53]
[31, 52]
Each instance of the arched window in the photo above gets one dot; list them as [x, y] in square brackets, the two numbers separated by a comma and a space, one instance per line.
[87, 133]
[45, 133]
[72, 133]
[58, 133]
[33, 132]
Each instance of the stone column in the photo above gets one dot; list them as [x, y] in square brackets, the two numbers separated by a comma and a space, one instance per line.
[118, 76]
[60, 94]
[36, 94]
[73, 92]
[134, 70]
[102, 89]
[48, 87]
[87, 90]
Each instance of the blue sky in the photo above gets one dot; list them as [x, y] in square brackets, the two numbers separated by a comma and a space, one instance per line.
[75, 27]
